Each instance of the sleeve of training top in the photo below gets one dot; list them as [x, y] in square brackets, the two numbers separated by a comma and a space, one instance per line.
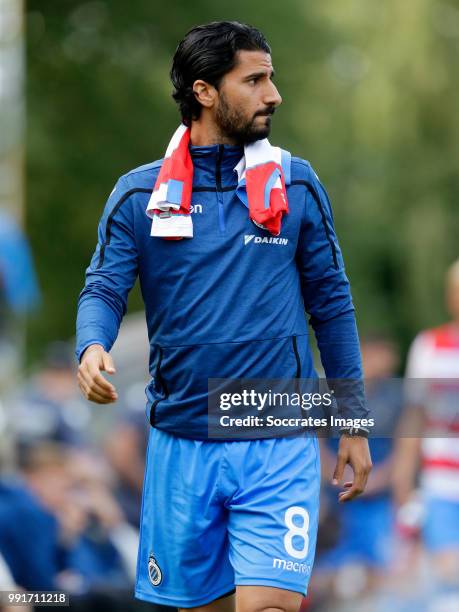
[110, 275]
[327, 299]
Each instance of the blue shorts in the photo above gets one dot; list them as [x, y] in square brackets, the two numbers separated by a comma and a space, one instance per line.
[441, 524]
[220, 514]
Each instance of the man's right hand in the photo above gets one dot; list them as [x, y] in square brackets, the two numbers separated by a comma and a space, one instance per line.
[90, 380]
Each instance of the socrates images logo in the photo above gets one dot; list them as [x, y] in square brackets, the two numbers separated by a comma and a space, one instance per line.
[154, 571]
[264, 240]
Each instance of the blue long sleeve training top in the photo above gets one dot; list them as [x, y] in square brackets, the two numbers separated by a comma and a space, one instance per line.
[229, 303]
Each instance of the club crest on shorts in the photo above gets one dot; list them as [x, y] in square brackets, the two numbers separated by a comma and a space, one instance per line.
[154, 571]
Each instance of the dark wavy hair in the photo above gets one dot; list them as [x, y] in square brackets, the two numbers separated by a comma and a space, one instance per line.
[208, 52]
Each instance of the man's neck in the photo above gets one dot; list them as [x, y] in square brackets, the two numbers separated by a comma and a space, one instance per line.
[206, 133]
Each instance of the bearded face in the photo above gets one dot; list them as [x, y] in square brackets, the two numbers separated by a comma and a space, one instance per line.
[241, 125]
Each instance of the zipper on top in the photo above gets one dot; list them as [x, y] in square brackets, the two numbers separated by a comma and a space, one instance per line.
[218, 180]
[297, 357]
[162, 384]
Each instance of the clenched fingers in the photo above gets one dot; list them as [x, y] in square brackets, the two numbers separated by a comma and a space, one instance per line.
[97, 383]
[94, 383]
[355, 488]
[94, 396]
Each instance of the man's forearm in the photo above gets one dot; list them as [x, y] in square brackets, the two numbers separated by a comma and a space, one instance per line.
[339, 347]
[97, 324]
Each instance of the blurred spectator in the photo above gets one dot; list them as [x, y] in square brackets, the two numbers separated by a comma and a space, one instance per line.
[49, 406]
[61, 528]
[429, 446]
[125, 447]
[18, 283]
[19, 291]
[126, 426]
[106, 551]
[29, 533]
[355, 565]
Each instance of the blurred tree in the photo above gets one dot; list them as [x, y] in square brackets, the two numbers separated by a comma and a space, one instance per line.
[369, 90]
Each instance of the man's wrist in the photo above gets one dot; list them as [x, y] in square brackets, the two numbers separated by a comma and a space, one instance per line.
[354, 432]
[90, 349]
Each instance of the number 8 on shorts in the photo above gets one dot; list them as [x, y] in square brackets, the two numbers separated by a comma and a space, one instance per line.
[301, 531]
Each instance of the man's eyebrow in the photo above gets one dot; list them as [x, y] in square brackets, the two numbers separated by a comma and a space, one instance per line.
[255, 75]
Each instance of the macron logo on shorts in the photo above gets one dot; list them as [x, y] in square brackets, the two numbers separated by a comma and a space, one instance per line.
[292, 566]
[264, 240]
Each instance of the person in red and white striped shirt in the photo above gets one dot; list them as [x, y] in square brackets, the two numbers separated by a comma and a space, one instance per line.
[432, 449]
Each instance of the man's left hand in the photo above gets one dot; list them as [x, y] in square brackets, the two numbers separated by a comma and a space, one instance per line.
[353, 450]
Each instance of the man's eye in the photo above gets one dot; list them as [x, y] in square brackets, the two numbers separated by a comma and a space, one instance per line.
[253, 81]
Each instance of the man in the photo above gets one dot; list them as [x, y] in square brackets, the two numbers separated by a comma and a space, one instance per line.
[429, 445]
[225, 301]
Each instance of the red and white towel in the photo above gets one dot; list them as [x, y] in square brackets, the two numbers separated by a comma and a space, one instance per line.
[261, 188]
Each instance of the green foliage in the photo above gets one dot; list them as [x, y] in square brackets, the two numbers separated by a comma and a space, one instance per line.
[370, 94]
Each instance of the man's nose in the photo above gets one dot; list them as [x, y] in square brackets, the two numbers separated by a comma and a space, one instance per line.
[272, 96]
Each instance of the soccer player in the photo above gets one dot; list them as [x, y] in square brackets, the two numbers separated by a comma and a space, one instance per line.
[233, 240]
[429, 444]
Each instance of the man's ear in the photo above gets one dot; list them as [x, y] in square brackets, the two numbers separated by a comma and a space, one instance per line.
[204, 93]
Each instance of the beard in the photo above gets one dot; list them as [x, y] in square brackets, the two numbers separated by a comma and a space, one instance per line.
[233, 124]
